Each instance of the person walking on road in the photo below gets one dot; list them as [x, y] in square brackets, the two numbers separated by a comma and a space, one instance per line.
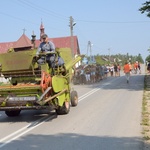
[126, 69]
[148, 67]
[119, 68]
[130, 66]
[139, 67]
[116, 70]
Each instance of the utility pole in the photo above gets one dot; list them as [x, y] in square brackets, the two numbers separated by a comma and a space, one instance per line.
[72, 23]
[90, 49]
[109, 54]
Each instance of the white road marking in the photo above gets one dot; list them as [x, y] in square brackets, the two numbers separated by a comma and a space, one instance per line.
[19, 133]
[37, 123]
[88, 94]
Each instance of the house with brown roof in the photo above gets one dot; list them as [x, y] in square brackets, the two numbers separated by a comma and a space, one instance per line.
[24, 43]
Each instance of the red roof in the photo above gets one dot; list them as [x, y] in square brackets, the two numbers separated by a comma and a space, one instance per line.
[5, 46]
[64, 42]
[24, 41]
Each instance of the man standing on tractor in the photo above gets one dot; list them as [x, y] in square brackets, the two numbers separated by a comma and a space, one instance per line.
[45, 47]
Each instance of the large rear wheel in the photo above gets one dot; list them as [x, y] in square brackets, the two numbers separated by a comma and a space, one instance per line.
[12, 113]
[63, 109]
[74, 98]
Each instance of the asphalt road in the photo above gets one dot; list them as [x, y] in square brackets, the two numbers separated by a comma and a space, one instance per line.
[107, 117]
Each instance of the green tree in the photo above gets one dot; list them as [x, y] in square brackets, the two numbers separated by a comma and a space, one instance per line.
[140, 59]
[145, 8]
[148, 58]
[99, 60]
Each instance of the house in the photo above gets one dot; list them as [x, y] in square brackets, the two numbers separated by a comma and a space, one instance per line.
[24, 43]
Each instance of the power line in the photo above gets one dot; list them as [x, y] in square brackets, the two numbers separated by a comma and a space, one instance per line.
[24, 20]
[123, 22]
[17, 18]
[42, 10]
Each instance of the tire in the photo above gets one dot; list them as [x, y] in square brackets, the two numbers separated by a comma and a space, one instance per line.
[74, 80]
[74, 98]
[64, 109]
[12, 113]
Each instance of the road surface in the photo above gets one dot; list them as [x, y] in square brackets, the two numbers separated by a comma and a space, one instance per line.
[107, 117]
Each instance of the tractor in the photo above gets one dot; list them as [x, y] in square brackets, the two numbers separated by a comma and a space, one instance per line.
[36, 86]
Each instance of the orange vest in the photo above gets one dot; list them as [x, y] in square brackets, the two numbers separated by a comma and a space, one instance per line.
[130, 66]
[126, 68]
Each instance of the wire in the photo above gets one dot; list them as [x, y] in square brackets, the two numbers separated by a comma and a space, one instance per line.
[108, 22]
[20, 19]
[41, 9]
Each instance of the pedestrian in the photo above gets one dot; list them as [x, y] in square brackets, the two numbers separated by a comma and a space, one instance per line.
[82, 76]
[130, 66]
[116, 70]
[119, 68]
[101, 72]
[112, 70]
[135, 67]
[93, 73]
[126, 69]
[88, 74]
[139, 67]
[46, 46]
[148, 67]
[105, 71]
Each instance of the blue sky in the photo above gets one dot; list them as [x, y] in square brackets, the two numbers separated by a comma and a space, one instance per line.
[109, 24]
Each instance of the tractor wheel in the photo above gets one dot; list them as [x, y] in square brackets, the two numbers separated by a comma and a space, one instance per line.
[74, 98]
[64, 109]
[12, 113]
[14, 83]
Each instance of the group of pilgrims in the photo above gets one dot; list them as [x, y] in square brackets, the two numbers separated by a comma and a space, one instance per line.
[89, 74]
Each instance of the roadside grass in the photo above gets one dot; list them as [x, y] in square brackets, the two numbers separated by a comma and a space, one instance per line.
[146, 109]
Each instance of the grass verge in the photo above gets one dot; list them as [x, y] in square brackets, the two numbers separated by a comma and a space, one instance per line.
[146, 111]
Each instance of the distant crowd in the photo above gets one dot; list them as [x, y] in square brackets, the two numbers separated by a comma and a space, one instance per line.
[135, 67]
[88, 74]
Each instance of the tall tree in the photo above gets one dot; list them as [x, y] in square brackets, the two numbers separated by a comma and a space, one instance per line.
[148, 58]
[145, 8]
[140, 59]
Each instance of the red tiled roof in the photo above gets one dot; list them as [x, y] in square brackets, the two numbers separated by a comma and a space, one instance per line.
[64, 42]
[5, 46]
[24, 41]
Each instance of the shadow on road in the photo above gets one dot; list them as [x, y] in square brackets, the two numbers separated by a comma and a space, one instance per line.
[136, 83]
[71, 141]
[28, 116]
